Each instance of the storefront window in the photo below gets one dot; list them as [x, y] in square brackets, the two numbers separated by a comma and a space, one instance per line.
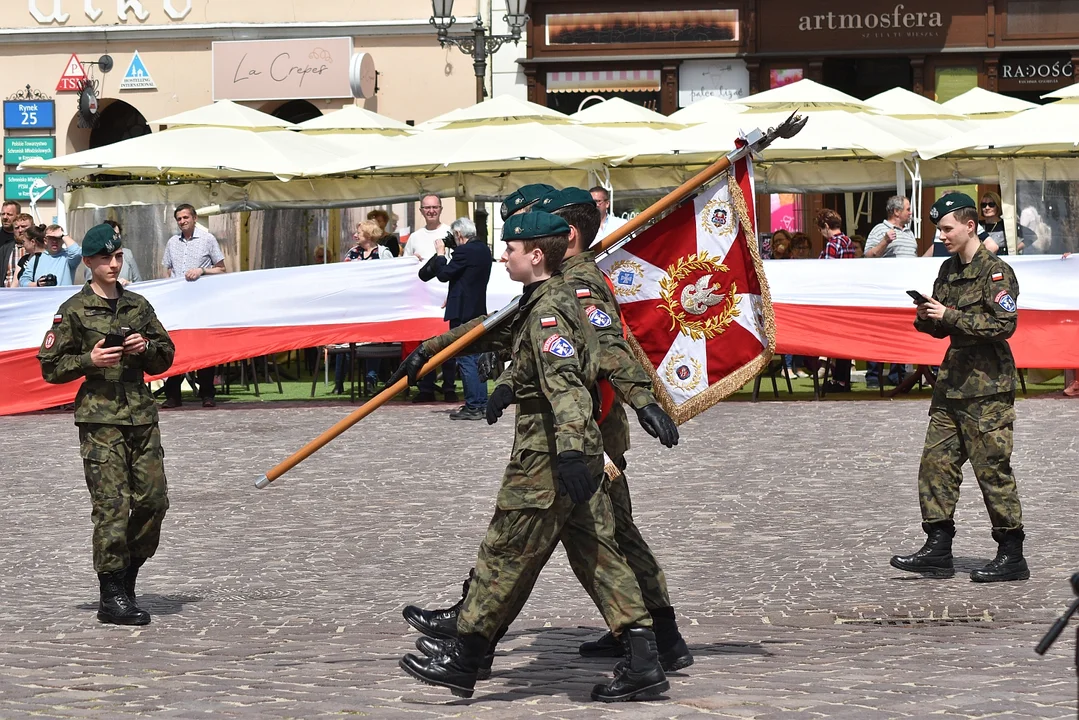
[787, 212]
[1044, 212]
[649, 27]
[778, 77]
[954, 81]
[1029, 18]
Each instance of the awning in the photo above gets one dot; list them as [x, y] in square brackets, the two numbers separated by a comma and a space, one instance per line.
[603, 81]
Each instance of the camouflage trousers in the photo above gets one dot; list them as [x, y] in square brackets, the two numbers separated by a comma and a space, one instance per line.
[125, 474]
[519, 543]
[978, 430]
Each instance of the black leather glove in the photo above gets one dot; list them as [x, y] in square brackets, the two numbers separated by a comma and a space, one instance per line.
[410, 366]
[574, 478]
[500, 399]
[658, 424]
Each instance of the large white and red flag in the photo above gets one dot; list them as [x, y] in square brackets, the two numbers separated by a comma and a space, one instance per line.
[694, 297]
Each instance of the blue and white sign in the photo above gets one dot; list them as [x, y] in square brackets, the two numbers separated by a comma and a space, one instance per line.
[29, 114]
[137, 76]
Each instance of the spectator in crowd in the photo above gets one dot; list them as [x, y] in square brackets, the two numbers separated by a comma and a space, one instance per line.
[389, 239]
[992, 232]
[859, 245]
[608, 222]
[33, 244]
[57, 264]
[421, 242]
[801, 246]
[129, 271]
[891, 238]
[190, 254]
[837, 246]
[781, 245]
[16, 258]
[8, 211]
[467, 273]
[320, 255]
[367, 245]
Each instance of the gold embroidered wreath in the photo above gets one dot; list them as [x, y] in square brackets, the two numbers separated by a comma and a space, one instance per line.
[697, 329]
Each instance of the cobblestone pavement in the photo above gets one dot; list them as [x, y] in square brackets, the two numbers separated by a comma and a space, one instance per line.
[774, 522]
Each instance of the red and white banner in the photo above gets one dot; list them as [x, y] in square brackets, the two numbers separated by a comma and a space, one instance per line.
[692, 293]
[848, 308]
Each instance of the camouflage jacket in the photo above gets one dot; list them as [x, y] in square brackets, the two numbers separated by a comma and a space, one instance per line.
[554, 367]
[116, 395]
[981, 299]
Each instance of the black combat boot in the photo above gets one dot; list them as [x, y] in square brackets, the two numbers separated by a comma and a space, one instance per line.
[606, 646]
[433, 648]
[440, 624]
[639, 675]
[115, 606]
[457, 670]
[1009, 564]
[673, 653]
[131, 574]
[935, 557]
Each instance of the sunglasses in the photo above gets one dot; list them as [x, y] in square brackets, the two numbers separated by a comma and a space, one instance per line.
[989, 204]
[54, 237]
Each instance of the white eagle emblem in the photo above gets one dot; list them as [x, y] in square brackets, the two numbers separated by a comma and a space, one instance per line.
[698, 297]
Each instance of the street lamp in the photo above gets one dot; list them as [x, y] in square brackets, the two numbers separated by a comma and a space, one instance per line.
[478, 44]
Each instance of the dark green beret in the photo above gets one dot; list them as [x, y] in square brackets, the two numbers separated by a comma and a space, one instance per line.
[100, 240]
[528, 226]
[520, 199]
[950, 203]
[558, 199]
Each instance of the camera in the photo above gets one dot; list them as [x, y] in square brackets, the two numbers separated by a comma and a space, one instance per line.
[450, 241]
[47, 280]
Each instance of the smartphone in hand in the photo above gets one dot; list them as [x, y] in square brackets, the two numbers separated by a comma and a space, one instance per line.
[113, 340]
[917, 297]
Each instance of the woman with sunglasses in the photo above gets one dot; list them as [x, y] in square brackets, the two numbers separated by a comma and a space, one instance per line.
[992, 234]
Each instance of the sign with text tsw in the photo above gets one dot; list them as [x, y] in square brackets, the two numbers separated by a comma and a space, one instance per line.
[282, 69]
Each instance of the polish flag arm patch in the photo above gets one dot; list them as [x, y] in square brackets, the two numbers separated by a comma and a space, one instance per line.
[550, 321]
[997, 276]
[584, 292]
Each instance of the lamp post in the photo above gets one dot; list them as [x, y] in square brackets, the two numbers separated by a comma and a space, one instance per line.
[478, 44]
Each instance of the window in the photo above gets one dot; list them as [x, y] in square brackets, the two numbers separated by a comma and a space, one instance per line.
[647, 27]
[1033, 18]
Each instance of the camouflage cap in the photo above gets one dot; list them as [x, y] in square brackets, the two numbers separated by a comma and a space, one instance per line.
[950, 203]
[100, 240]
[529, 226]
[523, 197]
[558, 199]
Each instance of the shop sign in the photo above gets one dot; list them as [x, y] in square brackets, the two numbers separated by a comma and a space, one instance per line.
[20, 149]
[1037, 73]
[45, 12]
[699, 79]
[29, 114]
[137, 76]
[282, 69]
[73, 77]
[841, 25]
[17, 186]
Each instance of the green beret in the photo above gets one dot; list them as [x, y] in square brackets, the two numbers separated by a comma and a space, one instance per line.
[950, 203]
[529, 226]
[558, 199]
[520, 199]
[100, 240]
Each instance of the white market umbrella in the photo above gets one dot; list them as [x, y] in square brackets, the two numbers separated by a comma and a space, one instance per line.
[1045, 130]
[619, 111]
[706, 110]
[354, 119]
[199, 152]
[803, 95]
[501, 109]
[902, 103]
[225, 113]
[979, 102]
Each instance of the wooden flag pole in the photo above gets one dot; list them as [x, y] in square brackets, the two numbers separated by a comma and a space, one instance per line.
[755, 142]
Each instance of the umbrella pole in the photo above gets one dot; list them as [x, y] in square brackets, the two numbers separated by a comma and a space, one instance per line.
[755, 142]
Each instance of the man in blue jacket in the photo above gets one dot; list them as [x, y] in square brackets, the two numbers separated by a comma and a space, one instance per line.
[467, 271]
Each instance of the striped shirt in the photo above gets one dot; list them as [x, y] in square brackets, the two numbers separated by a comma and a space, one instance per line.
[904, 245]
[838, 246]
[200, 251]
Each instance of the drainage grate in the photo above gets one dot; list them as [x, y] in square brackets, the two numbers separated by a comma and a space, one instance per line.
[931, 619]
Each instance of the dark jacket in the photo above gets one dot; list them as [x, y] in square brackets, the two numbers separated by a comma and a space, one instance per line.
[467, 272]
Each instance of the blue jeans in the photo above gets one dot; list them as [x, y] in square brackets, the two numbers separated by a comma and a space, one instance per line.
[873, 372]
[475, 389]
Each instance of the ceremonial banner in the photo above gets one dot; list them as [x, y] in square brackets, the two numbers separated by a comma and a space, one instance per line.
[693, 295]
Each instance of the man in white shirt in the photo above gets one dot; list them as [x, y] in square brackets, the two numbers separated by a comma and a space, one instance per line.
[421, 242]
[890, 239]
[608, 223]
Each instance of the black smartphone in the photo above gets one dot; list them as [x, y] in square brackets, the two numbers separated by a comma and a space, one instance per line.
[113, 340]
[917, 297]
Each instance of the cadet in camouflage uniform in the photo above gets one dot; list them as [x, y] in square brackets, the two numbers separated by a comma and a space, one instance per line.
[972, 411]
[557, 444]
[620, 369]
[116, 416]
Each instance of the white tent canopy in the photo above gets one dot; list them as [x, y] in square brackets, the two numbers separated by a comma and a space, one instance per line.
[706, 110]
[502, 109]
[803, 95]
[979, 102]
[353, 118]
[225, 113]
[902, 103]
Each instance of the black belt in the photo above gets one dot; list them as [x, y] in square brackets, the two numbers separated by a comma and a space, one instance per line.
[534, 406]
[131, 375]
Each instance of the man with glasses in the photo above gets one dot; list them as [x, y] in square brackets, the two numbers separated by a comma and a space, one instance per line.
[608, 223]
[55, 266]
[421, 244]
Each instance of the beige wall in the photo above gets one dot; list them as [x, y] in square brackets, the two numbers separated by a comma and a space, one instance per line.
[17, 12]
